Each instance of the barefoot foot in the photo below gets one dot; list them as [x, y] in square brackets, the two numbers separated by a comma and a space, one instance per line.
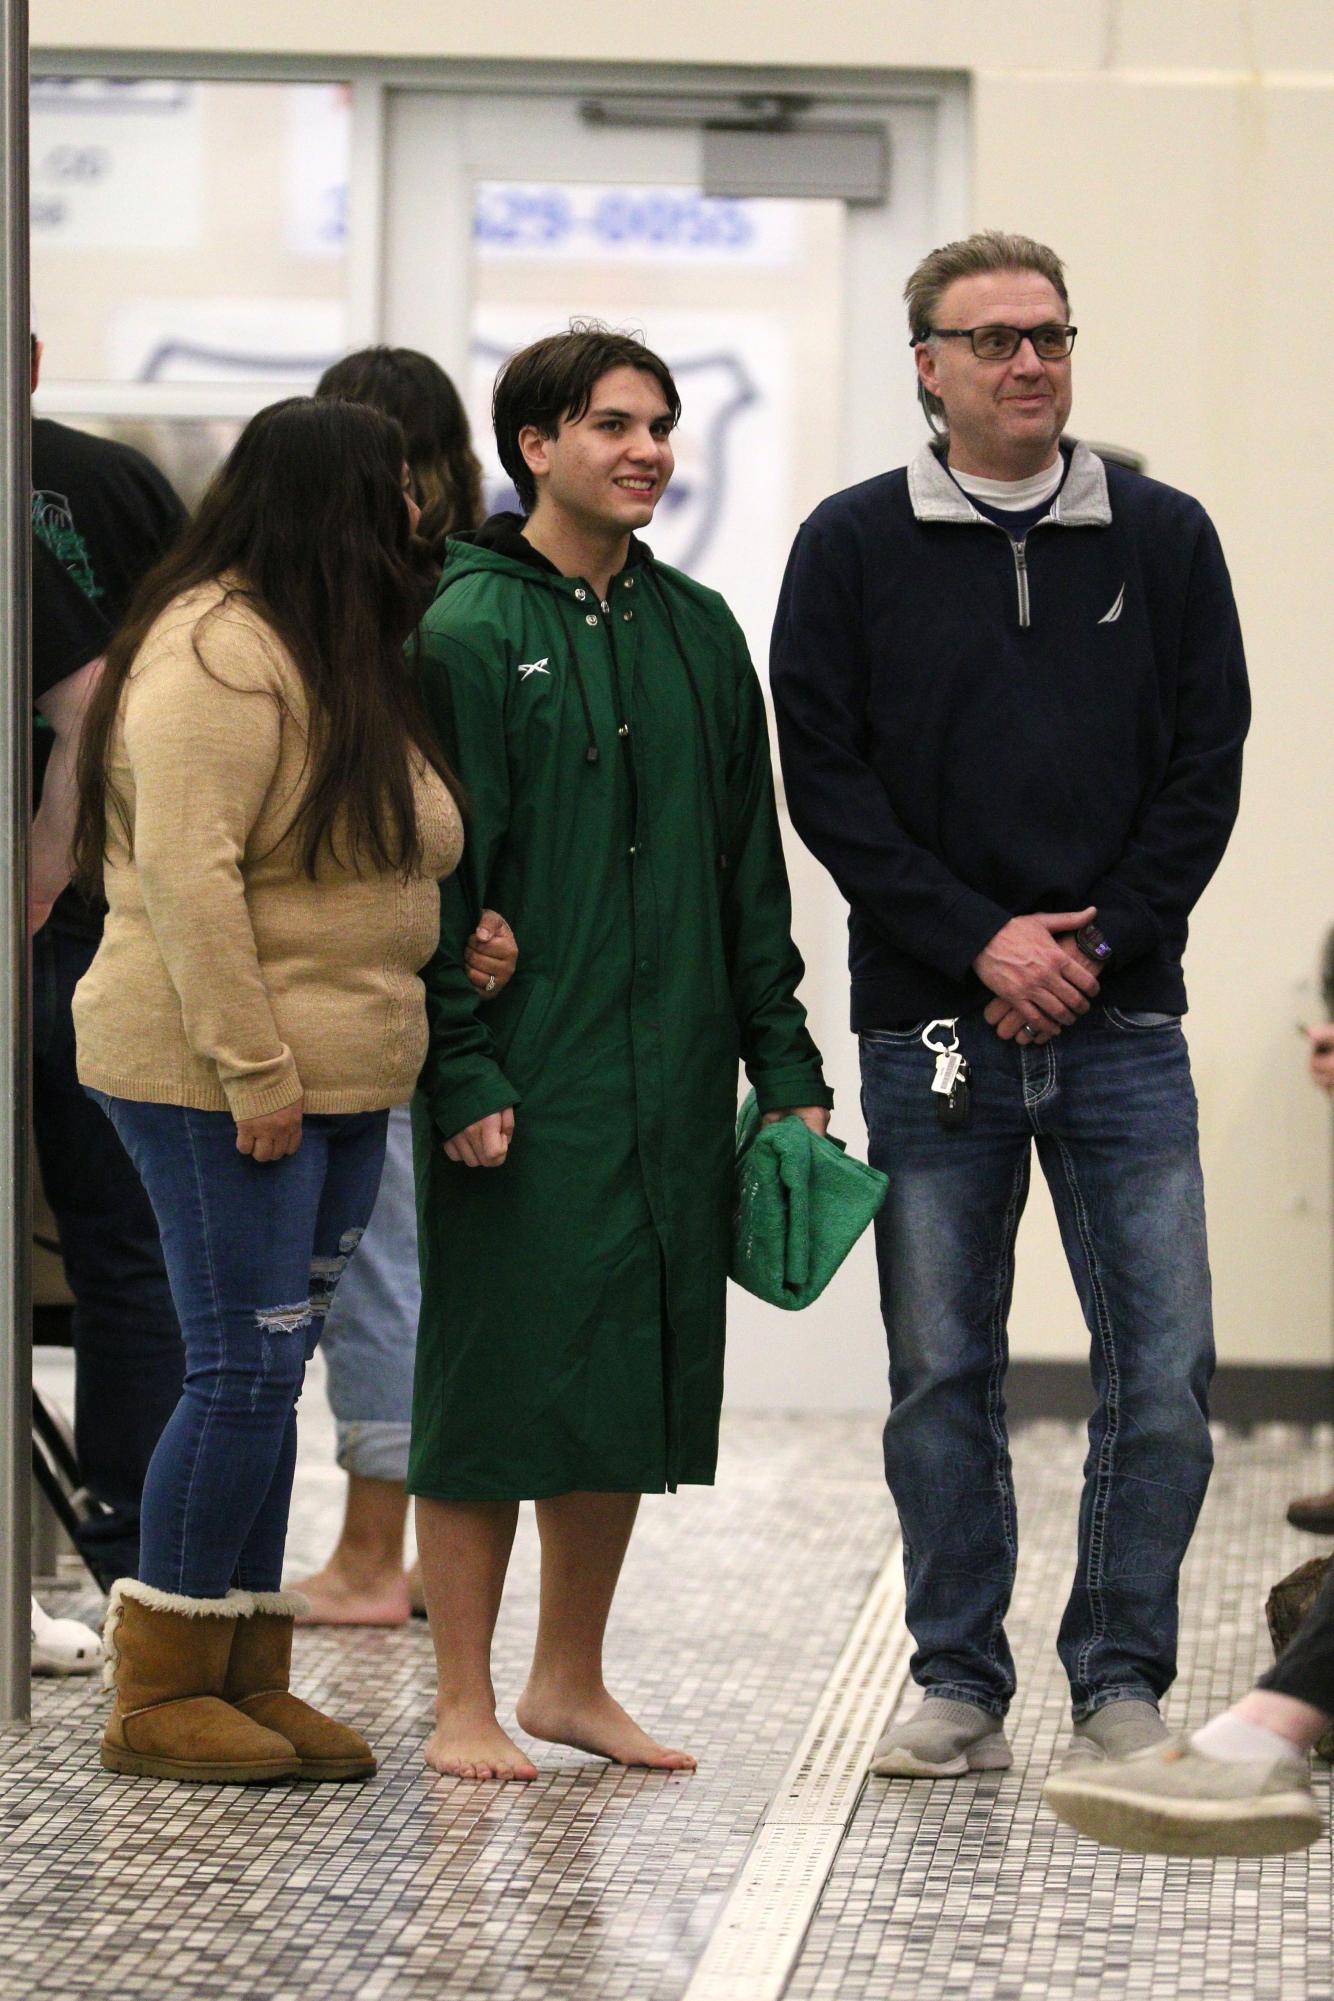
[472, 1745]
[591, 1720]
[337, 1599]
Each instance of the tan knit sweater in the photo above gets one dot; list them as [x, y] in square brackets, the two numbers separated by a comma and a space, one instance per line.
[226, 978]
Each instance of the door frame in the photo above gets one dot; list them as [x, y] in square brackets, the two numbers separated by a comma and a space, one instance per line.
[371, 191]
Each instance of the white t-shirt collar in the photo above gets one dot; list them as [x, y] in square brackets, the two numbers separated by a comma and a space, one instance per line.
[1013, 494]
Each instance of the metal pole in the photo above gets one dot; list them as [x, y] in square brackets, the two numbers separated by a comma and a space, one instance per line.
[15, 820]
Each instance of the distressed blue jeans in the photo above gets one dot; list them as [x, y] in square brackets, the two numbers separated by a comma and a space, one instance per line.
[253, 1251]
[1110, 1106]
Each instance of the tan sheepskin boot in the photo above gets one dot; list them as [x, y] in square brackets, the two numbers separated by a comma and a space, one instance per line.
[167, 1661]
[258, 1673]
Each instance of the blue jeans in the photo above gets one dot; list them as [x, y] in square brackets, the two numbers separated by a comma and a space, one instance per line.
[370, 1334]
[254, 1251]
[129, 1362]
[1111, 1107]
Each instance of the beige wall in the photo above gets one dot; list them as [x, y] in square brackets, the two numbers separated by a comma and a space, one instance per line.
[1182, 158]
[1196, 214]
[1021, 36]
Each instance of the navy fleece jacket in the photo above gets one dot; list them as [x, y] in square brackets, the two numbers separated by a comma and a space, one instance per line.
[972, 729]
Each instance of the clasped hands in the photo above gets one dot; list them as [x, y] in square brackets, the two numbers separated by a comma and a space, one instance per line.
[1040, 980]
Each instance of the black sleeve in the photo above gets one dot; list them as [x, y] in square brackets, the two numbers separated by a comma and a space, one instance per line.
[1182, 831]
[818, 677]
[67, 631]
[108, 513]
[145, 532]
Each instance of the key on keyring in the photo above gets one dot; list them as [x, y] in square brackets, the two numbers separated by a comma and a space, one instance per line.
[949, 1085]
[952, 1109]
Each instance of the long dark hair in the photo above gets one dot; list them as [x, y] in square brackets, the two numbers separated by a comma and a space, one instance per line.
[413, 389]
[305, 525]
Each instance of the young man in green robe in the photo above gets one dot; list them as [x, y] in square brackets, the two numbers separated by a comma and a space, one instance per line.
[575, 1139]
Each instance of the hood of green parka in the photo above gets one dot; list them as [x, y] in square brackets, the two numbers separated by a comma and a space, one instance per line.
[498, 547]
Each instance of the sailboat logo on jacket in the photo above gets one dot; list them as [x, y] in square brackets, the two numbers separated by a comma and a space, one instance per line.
[1110, 617]
[530, 667]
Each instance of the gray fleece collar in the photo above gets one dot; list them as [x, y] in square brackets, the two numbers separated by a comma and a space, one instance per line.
[1081, 503]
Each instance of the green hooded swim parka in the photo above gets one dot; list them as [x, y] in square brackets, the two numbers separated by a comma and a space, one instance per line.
[621, 815]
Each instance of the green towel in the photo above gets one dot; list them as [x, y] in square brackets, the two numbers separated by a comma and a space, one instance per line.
[801, 1204]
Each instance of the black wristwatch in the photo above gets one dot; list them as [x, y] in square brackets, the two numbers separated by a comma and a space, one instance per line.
[1093, 944]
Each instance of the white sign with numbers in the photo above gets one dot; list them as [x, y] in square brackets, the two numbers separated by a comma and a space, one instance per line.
[581, 220]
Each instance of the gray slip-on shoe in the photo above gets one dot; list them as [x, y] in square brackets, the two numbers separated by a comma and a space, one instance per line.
[1175, 1800]
[1117, 1730]
[942, 1740]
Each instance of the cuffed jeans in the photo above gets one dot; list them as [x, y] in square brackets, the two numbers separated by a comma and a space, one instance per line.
[129, 1362]
[370, 1334]
[1111, 1108]
[254, 1251]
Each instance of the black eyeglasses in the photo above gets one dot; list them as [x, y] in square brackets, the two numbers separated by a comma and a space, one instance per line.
[1050, 343]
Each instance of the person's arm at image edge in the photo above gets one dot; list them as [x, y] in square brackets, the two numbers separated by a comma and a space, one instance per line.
[63, 707]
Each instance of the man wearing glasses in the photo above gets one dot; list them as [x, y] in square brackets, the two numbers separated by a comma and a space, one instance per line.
[1011, 698]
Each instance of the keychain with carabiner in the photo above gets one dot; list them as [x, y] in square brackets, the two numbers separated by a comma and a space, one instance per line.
[950, 1083]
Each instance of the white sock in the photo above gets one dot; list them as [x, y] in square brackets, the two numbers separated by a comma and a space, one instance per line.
[1236, 1741]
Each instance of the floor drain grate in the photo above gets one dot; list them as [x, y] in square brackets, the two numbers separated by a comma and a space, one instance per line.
[755, 1943]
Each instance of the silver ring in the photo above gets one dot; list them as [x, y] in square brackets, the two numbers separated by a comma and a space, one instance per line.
[490, 986]
[1028, 1029]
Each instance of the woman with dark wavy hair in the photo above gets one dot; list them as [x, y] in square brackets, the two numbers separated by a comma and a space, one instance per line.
[266, 806]
[416, 392]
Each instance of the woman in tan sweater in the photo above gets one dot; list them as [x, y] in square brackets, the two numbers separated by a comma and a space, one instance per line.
[269, 813]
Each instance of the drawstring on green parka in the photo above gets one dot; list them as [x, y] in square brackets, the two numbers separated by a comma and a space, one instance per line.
[592, 754]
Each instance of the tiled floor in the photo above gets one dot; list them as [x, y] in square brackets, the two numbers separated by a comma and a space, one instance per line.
[592, 1882]
[972, 1891]
[600, 1883]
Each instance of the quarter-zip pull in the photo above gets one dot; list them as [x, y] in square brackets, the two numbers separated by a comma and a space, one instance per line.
[1021, 578]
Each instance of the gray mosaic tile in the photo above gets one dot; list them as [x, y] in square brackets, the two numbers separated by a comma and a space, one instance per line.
[603, 1885]
[592, 1882]
[971, 1891]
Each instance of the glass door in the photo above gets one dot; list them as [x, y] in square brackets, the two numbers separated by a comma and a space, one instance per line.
[509, 216]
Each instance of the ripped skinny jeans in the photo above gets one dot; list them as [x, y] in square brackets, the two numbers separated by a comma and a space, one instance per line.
[253, 1252]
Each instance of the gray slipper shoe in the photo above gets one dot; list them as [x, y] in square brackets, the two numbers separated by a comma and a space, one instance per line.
[1117, 1730]
[942, 1740]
